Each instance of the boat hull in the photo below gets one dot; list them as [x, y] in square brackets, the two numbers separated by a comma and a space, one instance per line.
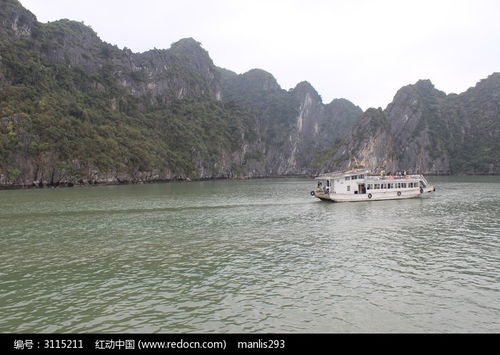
[373, 196]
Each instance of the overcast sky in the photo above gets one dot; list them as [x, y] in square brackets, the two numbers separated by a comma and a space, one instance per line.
[361, 50]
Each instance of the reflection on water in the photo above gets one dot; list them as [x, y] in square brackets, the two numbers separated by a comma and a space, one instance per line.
[249, 256]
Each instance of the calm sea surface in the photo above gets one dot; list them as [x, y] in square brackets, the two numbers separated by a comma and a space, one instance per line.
[249, 256]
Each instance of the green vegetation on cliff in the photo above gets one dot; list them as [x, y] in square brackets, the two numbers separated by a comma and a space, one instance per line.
[60, 117]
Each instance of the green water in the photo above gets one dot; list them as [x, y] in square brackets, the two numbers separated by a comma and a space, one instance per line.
[249, 256]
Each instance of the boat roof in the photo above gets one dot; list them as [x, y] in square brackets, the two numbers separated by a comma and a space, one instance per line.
[337, 174]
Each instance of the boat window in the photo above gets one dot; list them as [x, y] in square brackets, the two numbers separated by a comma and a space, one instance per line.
[347, 178]
[348, 188]
[369, 186]
[361, 177]
[354, 177]
[377, 186]
[403, 185]
[399, 185]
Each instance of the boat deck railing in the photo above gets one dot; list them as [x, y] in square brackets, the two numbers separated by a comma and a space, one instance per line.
[394, 177]
[372, 176]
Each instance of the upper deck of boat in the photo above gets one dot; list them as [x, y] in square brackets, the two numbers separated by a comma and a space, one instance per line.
[358, 174]
[341, 174]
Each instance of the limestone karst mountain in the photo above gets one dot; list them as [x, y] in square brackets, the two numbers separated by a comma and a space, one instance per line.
[425, 130]
[75, 110]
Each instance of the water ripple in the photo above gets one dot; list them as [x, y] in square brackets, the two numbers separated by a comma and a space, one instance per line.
[248, 256]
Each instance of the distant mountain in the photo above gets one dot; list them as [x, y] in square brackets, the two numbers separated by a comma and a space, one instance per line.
[77, 110]
[425, 130]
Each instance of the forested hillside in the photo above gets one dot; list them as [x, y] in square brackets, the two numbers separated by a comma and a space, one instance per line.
[74, 109]
[77, 110]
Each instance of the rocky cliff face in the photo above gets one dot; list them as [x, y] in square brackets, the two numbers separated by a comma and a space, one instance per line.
[425, 130]
[15, 20]
[296, 123]
[184, 70]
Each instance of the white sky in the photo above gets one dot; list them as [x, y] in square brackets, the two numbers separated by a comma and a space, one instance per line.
[360, 50]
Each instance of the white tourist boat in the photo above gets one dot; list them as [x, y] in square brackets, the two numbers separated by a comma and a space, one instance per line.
[362, 185]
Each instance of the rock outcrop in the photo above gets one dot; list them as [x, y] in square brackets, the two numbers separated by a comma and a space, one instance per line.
[295, 124]
[425, 130]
